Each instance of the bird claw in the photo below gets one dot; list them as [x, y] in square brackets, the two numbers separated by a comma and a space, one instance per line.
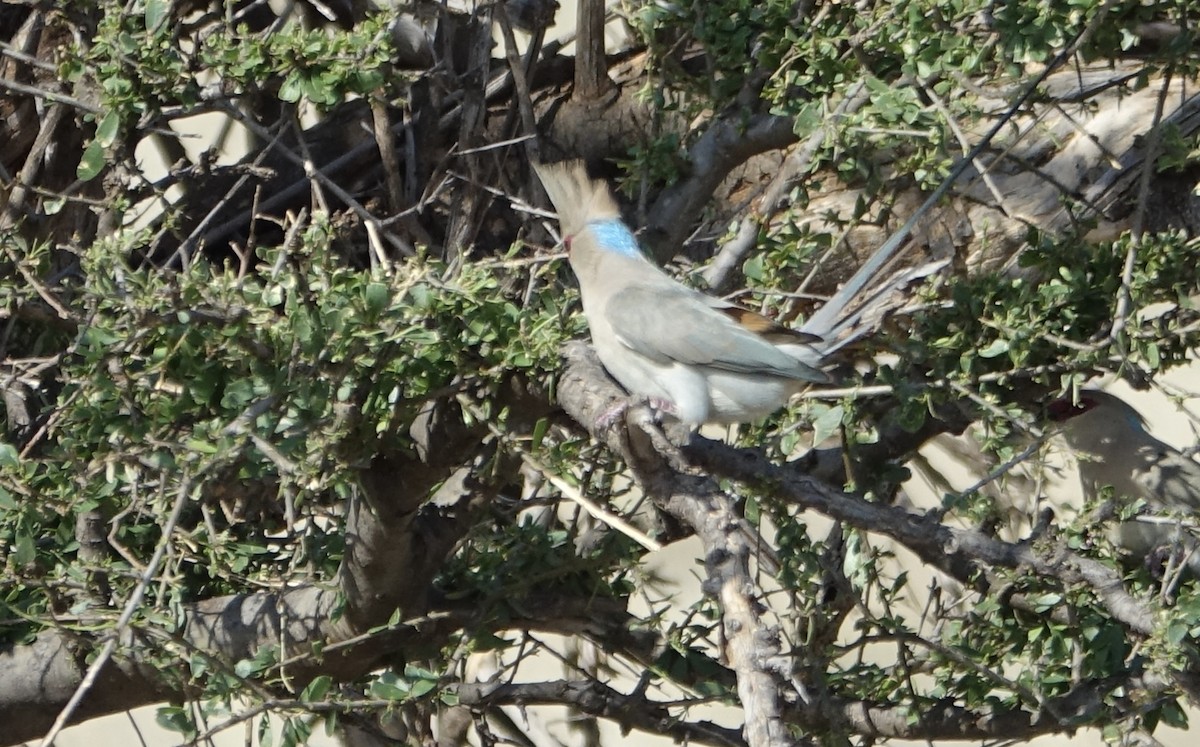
[614, 413]
[651, 423]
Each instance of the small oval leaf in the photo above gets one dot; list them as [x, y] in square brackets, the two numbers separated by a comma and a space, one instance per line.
[92, 162]
[106, 131]
[998, 347]
[156, 13]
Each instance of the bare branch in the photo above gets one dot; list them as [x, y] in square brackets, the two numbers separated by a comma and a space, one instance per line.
[728, 142]
[596, 699]
[960, 553]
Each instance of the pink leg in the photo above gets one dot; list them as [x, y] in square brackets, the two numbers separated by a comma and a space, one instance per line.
[610, 416]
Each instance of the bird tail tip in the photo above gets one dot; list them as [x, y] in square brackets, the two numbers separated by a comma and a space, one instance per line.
[577, 197]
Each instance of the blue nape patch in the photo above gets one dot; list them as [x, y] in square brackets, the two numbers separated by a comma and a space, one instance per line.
[612, 234]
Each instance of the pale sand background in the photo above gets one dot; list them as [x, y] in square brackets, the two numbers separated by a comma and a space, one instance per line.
[676, 565]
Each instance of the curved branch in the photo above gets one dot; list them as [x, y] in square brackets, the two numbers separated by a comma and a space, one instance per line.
[960, 553]
[752, 646]
[585, 392]
[395, 544]
[720, 272]
[946, 721]
[596, 699]
[728, 142]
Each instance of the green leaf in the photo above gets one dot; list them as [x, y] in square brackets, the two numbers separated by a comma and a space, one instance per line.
[413, 672]
[292, 88]
[198, 665]
[265, 658]
[106, 131]
[827, 424]
[24, 551]
[179, 720]
[9, 456]
[244, 668]
[156, 12]
[753, 268]
[198, 446]
[753, 511]
[540, 428]
[92, 162]
[265, 738]
[316, 689]
[422, 687]
[998, 347]
[1153, 356]
[1177, 632]
[296, 731]
[97, 337]
[389, 686]
[377, 297]
[1173, 715]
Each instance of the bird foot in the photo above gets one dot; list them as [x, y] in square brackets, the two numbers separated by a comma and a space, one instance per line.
[614, 413]
[666, 436]
[663, 406]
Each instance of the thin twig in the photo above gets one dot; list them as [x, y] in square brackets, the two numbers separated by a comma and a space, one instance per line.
[734, 251]
[982, 168]
[594, 509]
[42, 93]
[131, 606]
[520, 83]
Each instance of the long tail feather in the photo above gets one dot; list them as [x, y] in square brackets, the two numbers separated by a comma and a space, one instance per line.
[577, 197]
[864, 314]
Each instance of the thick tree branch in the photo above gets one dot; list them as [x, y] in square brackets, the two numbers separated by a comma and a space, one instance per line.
[728, 142]
[752, 645]
[394, 547]
[946, 721]
[586, 392]
[596, 699]
[960, 553]
[591, 67]
[37, 678]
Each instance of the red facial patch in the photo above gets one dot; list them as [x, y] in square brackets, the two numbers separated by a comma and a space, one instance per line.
[1064, 409]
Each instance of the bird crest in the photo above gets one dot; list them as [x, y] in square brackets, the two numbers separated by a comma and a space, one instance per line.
[578, 198]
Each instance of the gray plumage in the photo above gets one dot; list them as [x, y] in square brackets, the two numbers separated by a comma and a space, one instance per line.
[1113, 448]
[702, 359]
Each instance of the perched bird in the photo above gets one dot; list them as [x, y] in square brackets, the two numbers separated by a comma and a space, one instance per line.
[698, 358]
[1114, 449]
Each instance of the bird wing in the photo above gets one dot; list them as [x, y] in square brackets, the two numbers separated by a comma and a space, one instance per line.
[677, 324]
[769, 329]
[1169, 476]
